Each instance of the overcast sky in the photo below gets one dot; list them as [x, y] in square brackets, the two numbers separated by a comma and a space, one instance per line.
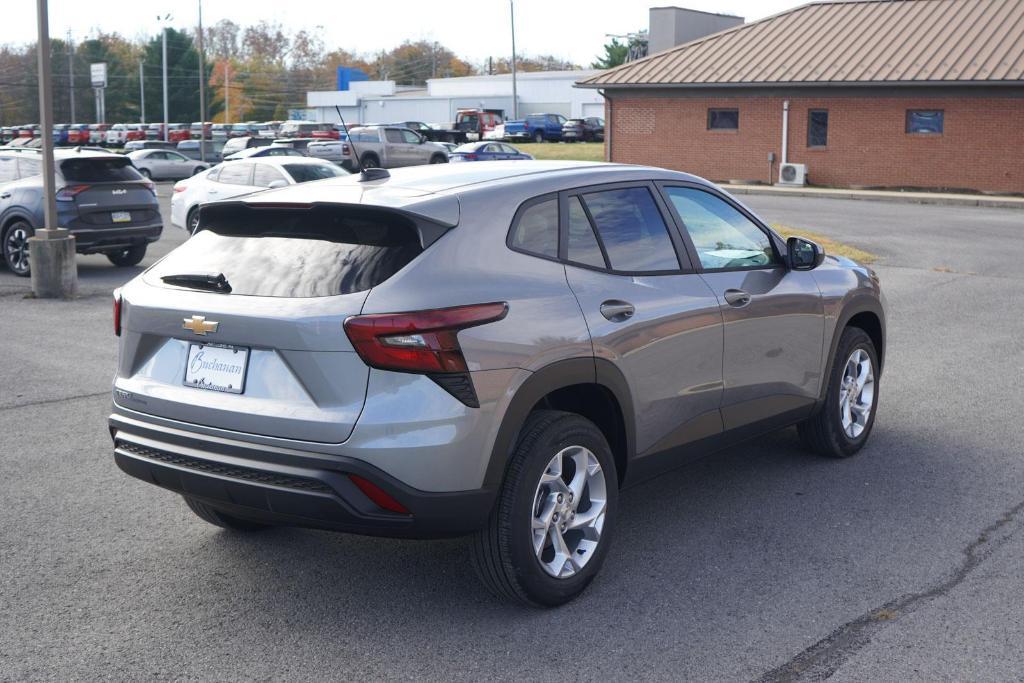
[474, 29]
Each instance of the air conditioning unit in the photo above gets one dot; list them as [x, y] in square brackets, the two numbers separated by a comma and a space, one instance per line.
[793, 174]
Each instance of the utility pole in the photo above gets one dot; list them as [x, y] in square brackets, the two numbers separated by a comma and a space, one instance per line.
[51, 250]
[202, 89]
[166, 119]
[71, 76]
[227, 91]
[515, 97]
[433, 60]
[142, 93]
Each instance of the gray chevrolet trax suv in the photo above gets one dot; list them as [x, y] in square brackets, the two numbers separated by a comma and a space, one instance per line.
[487, 349]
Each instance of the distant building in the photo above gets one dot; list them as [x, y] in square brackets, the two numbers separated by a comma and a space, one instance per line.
[887, 93]
[385, 102]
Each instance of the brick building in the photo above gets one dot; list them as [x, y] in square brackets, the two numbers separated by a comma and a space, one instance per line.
[876, 93]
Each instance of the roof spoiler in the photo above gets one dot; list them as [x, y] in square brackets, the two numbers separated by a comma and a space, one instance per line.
[430, 225]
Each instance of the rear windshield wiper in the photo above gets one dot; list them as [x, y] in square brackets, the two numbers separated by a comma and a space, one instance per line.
[214, 282]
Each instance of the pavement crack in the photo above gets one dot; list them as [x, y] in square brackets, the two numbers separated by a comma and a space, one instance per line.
[51, 401]
[821, 660]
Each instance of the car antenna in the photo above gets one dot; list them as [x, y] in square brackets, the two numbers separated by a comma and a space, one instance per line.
[365, 174]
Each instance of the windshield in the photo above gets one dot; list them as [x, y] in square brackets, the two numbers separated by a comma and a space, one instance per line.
[468, 147]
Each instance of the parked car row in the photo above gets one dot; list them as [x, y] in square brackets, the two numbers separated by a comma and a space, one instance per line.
[550, 128]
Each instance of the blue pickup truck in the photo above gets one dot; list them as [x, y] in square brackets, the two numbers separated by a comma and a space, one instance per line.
[536, 127]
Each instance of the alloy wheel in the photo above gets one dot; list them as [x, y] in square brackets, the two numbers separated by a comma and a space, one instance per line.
[16, 248]
[856, 393]
[569, 511]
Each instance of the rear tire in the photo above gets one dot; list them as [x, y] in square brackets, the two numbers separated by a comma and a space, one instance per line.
[215, 517]
[543, 546]
[842, 426]
[197, 170]
[370, 161]
[14, 242]
[146, 172]
[192, 222]
[124, 258]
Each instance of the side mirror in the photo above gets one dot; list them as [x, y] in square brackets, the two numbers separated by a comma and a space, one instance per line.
[803, 254]
[274, 184]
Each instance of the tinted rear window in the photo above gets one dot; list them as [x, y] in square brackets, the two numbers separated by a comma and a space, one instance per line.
[303, 173]
[99, 170]
[321, 251]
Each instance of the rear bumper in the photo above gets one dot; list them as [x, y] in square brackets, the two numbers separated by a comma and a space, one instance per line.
[93, 240]
[289, 487]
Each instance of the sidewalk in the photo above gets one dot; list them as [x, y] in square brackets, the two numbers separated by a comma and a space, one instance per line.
[947, 199]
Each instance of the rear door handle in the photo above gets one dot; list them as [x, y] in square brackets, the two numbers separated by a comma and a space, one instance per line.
[737, 297]
[617, 311]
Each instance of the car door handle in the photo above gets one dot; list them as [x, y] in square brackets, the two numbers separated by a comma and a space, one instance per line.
[737, 297]
[617, 311]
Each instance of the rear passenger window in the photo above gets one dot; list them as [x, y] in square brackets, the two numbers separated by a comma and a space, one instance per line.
[632, 230]
[536, 230]
[8, 169]
[30, 167]
[265, 175]
[583, 246]
[235, 174]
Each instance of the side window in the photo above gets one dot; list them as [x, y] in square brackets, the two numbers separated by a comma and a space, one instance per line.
[8, 169]
[926, 121]
[174, 156]
[583, 246]
[214, 173]
[723, 119]
[236, 174]
[723, 237]
[536, 229]
[157, 156]
[30, 167]
[265, 175]
[393, 135]
[410, 137]
[631, 229]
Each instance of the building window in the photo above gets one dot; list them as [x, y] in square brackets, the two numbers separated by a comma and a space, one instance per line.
[817, 128]
[723, 119]
[926, 121]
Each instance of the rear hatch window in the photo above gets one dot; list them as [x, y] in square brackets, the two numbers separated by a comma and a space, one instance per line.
[102, 170]
[285, 252]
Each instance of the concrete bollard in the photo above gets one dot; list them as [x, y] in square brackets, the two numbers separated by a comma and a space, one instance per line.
[51, 255]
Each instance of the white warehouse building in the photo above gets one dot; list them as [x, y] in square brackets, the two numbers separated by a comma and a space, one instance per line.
[548, 92]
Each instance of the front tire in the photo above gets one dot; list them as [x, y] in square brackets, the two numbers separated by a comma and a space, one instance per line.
[842, 426]
[131, 256]
[439, 159]
[551, 527]
[15, 247]
[215, 517]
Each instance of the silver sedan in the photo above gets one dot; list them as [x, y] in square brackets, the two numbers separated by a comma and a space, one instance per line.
[166, 164]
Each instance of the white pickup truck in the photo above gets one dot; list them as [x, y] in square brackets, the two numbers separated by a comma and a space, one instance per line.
[391, 147]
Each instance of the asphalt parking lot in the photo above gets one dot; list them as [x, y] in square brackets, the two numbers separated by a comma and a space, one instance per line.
[762, 562]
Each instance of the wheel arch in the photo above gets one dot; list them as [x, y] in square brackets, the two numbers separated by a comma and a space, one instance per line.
[592, 387]
[864, 312]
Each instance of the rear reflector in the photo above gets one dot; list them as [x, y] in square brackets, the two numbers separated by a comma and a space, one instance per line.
[423, 341]
[118, 302]
[378, 495]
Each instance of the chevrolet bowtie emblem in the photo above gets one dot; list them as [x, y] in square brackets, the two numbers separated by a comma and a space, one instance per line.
[199, 325]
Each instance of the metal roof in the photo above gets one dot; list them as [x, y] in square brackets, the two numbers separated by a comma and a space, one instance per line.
[858, 42]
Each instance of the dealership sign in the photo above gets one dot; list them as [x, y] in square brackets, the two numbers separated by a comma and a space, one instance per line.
[99, 74]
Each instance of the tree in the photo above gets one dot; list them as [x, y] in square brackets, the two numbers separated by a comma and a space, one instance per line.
[121, 96]
[182, 79]
[535, 63]
[614, 55]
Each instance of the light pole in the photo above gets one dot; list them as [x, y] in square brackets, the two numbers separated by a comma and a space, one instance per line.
[202, 89]
[163, 32]
[71, 76]
[142, 93]
[51, 250]
[515, 98]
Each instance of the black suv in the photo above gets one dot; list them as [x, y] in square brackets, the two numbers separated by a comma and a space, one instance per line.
[101, 198]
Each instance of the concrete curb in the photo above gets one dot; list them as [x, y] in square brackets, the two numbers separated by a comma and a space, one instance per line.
[882, 196]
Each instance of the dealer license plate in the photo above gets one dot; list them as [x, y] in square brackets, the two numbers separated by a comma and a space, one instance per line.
[216, 367]
[121, 216]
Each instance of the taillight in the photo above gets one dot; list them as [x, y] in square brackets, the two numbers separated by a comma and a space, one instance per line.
[471, 157]
[118, 303]
[424, 341]
[150, 185]
[379, 496]
[344, 149]
[179, 187]
[68, 194]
